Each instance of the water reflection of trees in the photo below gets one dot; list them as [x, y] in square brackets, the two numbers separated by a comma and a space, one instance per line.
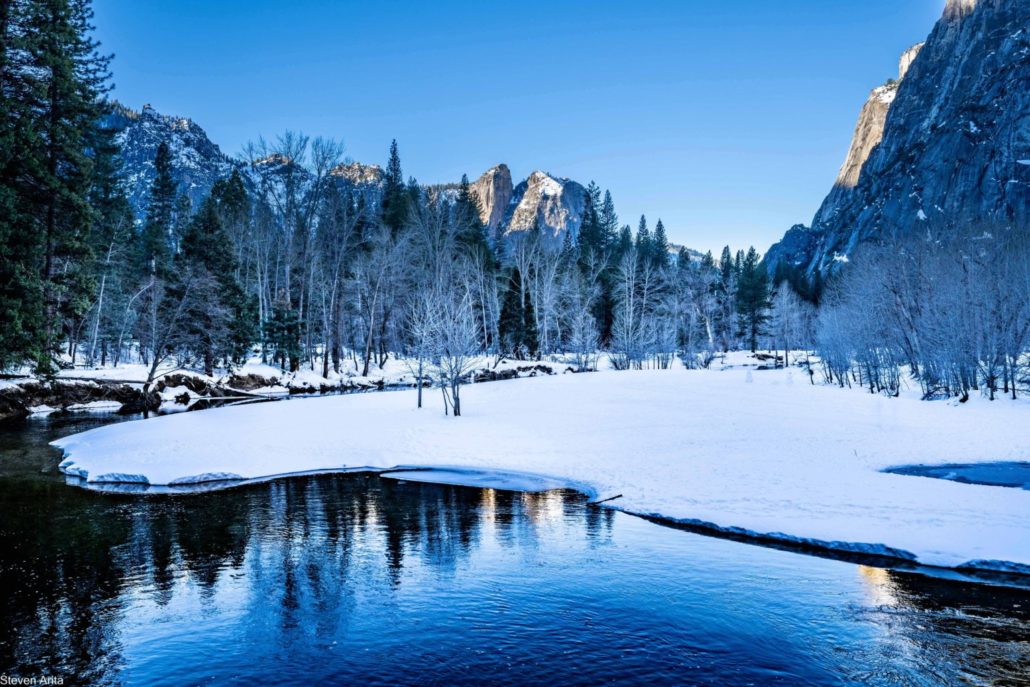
[308, 549]
[306, 553]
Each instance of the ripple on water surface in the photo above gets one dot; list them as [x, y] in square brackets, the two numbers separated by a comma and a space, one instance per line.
[364, 580]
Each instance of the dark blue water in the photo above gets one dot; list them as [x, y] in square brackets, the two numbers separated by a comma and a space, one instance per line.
[1000, 474]
[365, 580]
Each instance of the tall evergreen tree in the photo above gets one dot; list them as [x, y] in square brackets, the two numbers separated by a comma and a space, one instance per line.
[591, 239]
[234, 209]
[113, 240]
[396, 196]
[155, 246]
[517, 325]
[609, 220]
[470, 230]
[660, 246]
[752, 298]
[219, 322]
[53, 80]
[644, 243]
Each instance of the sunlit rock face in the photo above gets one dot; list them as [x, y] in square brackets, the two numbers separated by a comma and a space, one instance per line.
[944, 149]
[868, 134]
[493, 189]
[553, 204]
[956, 9]
[358, 174]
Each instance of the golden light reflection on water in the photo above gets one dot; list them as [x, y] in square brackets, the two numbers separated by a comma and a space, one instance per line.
[489, 505]
[879, 586]
[543, 507]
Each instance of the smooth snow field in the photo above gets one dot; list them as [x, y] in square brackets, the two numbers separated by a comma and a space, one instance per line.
[762, 452]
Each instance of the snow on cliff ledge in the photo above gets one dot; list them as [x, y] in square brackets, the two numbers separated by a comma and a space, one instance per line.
[766, 453]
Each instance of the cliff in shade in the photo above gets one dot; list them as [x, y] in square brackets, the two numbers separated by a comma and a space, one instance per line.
[197, 163]
[945, 147]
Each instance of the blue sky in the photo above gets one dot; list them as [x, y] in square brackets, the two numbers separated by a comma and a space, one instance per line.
[726, 119]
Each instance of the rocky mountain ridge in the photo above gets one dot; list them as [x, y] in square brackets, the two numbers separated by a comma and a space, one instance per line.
[946, 148]
[555, 204]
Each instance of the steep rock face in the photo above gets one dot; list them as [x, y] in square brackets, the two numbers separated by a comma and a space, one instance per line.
[868, 134]
[493, 189]
[554, 204]
[796, 248]
[954, 154]
[197, 163]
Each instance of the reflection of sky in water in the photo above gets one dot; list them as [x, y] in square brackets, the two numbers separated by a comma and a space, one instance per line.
[361, 579]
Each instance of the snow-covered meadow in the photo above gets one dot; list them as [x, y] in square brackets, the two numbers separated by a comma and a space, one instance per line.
[763, 451]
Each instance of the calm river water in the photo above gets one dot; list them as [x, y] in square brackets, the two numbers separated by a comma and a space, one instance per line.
[367, 580]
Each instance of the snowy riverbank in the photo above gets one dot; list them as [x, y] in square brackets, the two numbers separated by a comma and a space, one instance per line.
[761, 451]
[174, 389]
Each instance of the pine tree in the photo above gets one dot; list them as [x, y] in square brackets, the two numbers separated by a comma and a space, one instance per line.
[644, 243]
[660, 246]
[155, 245]
[470, 230]
[234, 209]
[625, 243]
[220, 322]
[52, 80]
[396, 198]
[591, 239]
[752, 298]
[725, 296]
[282, 334]
[517, 324]
[113, 240]
[609, 221]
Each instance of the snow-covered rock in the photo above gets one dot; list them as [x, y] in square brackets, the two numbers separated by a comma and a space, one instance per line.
[553, 204]
[197, 162]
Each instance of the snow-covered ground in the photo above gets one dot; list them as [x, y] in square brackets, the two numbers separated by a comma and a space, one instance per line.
[394, 372]
[763, 451]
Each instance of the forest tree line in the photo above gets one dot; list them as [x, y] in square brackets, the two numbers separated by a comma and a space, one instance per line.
[286, 261]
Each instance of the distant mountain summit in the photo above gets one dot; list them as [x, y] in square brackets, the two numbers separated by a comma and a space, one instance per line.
[945, 147]
[197, 163]
[555, 204]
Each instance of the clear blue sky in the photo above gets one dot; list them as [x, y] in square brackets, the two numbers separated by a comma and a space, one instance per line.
[727, 119]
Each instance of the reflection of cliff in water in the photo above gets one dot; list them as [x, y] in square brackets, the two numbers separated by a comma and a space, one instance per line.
[970, 624]
[306, 547]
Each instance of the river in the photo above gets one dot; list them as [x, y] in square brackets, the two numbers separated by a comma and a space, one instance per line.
[360, 579]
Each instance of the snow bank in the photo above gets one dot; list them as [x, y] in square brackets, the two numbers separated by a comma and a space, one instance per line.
[759, 452]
